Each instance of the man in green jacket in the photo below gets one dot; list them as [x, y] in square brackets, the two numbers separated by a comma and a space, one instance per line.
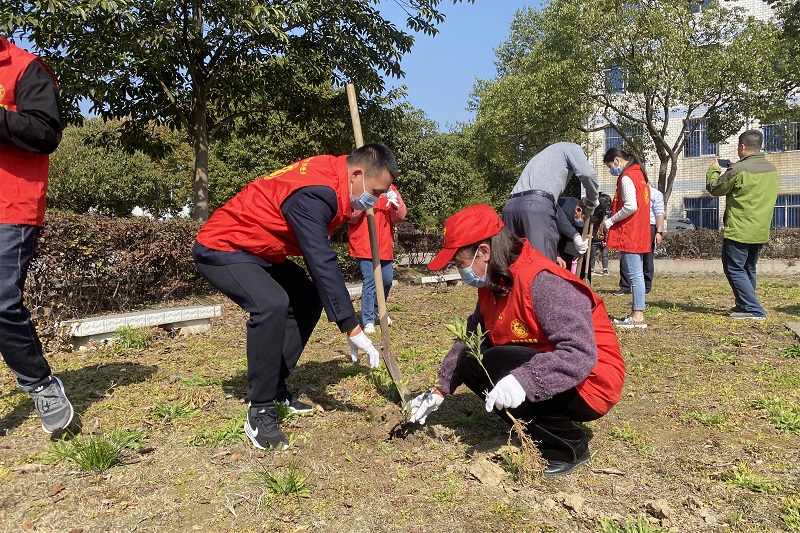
[750, 187]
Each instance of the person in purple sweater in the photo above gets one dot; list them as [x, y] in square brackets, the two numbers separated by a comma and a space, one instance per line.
[551, 353]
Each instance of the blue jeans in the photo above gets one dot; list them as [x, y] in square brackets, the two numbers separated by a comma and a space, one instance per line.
[19, 343]
[369, 300]
[633, 265]
[739, 264]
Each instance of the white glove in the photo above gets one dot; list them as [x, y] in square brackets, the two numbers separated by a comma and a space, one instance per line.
[507, 393]
[391, 197]
[580, 245]
[423, 405]
[362, 341]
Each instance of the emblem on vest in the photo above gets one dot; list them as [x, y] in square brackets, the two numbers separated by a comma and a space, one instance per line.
[2, 94]
[519, 328]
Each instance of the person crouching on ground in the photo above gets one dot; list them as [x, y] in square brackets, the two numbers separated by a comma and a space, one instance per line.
[242, 250]
[551, 350]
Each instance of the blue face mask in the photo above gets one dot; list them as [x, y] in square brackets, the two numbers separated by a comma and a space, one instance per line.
[469, 276]
[615, 171]
[363, 202]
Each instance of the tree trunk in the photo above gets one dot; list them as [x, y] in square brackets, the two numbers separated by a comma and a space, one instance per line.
[200, 146]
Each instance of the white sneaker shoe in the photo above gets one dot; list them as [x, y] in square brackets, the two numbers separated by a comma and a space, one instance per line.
[369, 329]
[388, 320]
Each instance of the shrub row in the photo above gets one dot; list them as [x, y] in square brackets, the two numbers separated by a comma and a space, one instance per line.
[784, 243]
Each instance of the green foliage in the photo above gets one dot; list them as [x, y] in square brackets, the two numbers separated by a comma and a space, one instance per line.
[705, 418]
[128, 338]
[628, 525]
[718, 357]
[742, 477]
[202, 66]
[170, 412]
[95, 453]
[784, 414]
[631, 437]
[290, 481]
[563, 64]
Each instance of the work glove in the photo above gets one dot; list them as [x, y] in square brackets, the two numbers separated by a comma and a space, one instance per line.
[580, 245]
[391, 197]
[362, 341]
[425, 404]
[508, 393]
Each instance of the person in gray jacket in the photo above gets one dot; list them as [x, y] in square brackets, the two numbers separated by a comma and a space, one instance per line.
[531, 210]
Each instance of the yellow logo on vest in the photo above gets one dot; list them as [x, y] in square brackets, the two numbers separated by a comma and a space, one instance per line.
[2, 94]
[519, 328]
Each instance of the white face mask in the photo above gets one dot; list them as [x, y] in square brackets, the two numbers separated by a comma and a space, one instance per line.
[365, 201]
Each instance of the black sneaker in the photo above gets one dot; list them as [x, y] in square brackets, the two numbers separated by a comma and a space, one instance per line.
[297, 407]
[53, 407]
[621, 293]
[262, 428]
[744, 314]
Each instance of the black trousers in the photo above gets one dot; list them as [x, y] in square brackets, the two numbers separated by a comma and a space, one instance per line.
[534, 217]
[284, 307]
[550, 422]
[647, 267]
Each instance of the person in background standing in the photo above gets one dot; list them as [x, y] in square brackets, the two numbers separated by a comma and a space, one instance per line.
[599, 215]
[531, 210]
[657, 235]
[750, 187]
[389, 210]
[628, 227]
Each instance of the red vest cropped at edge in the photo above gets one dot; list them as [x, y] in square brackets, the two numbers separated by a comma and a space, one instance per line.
[632, 234]
[512, 320]
[23, 175]
[252, 220]
[358, 233]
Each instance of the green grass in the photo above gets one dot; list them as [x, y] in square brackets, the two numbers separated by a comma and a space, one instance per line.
[128, 338]
[170, 412]
[628, 525]
[730, 340]
[792, 516]
[632, 438]
[289, 481]
[784, 414]
[228, 433]
[201, 381]
[705, 418]
[792, 352]
[718, 357]
[95, 453]
[742, 477]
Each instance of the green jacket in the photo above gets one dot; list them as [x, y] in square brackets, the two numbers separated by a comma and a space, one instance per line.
[750, 187]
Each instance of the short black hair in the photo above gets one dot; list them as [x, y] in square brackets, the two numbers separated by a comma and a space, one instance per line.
[374, 158]
[752, 140]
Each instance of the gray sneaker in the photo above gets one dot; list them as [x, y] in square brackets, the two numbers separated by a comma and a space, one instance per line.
[53, 407]
[743, 315]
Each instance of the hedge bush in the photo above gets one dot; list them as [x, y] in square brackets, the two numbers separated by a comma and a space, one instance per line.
[784, 243]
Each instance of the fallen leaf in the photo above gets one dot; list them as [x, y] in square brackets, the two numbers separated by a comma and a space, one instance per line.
[610, 471]
[76, 530]
[236, 456]
[56, 489]
[27, 526]
[221, 453]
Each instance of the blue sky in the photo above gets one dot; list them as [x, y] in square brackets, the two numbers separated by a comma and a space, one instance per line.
[441, 70]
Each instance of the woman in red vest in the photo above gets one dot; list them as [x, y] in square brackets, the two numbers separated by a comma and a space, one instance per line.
[389, 210]
[628, 227]
[551, 351]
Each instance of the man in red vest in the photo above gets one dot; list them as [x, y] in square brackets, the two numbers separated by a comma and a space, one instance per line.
[389, 210]
[30, 129]
[242, 250]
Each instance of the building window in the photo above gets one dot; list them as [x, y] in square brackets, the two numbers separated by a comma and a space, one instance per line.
[699, 5]
[781, 137]
[614, 139]
[703, 212]
[615, 80]
[697, 142]
[787, 211]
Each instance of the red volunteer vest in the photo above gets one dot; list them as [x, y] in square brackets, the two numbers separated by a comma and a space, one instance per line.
[358, 233]
[23, 175]
[632, 235]
[512, 320]
[252, 220]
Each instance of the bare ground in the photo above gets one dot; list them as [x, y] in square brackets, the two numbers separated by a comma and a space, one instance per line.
[689, 448]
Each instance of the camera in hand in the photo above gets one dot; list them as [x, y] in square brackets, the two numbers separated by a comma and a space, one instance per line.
[724, 162]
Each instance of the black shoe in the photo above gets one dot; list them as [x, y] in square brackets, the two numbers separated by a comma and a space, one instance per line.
[297, 407]
[262, 428]
[621, 293]
[736, 309]
[562, 468]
